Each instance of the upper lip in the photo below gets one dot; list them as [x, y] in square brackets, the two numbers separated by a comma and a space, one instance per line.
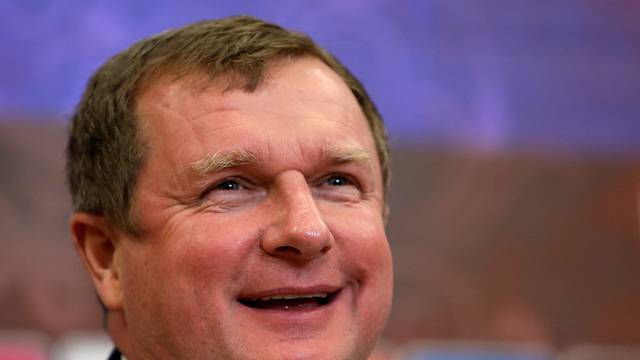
[292, 292]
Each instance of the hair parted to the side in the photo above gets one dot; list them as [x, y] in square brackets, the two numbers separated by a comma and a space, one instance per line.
[107, 146]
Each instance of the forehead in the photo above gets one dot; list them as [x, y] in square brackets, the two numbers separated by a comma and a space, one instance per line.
[293, 90]
[299, 79]
[298, 86]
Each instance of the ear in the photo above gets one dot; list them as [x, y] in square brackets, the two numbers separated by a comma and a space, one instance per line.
[96, 243]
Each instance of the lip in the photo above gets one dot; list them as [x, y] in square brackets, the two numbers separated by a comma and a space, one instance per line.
[294, 320]
[293, 291]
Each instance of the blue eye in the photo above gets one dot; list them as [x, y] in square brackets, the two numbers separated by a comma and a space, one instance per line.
[228, 185]
[337, 180]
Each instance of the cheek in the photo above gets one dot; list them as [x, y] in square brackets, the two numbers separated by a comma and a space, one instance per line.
[199, 256]
[365, 253]
[208, 251]
[180, 280]
[360, 236]
[366, 257]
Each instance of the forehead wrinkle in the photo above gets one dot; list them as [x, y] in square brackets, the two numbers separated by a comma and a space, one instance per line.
[222, 159]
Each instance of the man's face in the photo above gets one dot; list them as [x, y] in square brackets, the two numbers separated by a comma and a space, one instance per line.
[261, 223]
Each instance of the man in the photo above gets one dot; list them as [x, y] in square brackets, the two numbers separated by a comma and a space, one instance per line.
[228, 181]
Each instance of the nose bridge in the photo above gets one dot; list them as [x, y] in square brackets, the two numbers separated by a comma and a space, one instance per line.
[299, 233]
[299, 205]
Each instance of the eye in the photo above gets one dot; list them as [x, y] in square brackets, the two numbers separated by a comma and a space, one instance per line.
[338, 188]
[228, 185]
[231, 193]
[338, 180]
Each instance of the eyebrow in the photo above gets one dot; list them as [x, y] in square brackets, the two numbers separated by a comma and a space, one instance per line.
[355, 156]
[223, 159]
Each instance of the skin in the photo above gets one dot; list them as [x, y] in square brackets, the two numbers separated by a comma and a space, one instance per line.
[302, 214]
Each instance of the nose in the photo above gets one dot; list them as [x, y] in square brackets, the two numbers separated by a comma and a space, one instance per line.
[298, 233]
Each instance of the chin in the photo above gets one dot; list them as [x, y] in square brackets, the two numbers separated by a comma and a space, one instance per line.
[304, 351]
[336, 344]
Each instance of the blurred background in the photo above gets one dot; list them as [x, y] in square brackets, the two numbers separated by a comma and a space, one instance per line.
[516, 163]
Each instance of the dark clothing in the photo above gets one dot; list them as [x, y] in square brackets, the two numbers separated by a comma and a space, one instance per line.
[115, 355]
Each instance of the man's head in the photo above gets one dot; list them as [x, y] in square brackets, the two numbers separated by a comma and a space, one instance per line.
[228, 182]
[107, 147]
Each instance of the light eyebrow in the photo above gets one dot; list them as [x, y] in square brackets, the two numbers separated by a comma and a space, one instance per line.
[221, 160]
[355, 156]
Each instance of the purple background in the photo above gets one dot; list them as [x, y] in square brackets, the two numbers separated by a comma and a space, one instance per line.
[491, 74]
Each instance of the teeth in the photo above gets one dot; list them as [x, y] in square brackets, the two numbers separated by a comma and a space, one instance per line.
[291, 297]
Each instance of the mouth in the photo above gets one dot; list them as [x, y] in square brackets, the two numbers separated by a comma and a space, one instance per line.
[290, 302]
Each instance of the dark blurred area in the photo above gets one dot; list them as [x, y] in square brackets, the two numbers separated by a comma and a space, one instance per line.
[516, 162]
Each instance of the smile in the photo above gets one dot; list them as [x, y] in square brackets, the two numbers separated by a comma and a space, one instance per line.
[290, 301]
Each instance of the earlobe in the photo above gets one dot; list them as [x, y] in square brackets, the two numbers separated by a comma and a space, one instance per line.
[95, 241]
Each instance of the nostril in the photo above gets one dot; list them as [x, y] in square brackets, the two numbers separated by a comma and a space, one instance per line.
[286, 249]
